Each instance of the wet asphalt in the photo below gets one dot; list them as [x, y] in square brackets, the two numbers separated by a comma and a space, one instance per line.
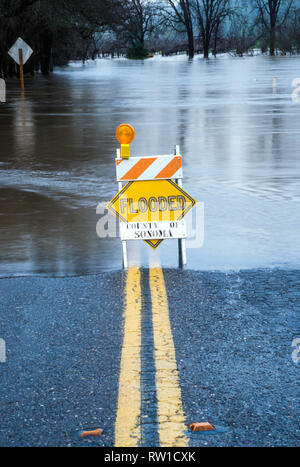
[63, 340]
[233, 335]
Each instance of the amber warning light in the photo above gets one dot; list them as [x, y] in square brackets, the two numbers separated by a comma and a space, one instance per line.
[125, 135]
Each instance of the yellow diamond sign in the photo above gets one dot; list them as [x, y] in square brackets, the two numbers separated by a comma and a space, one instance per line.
[155, 207]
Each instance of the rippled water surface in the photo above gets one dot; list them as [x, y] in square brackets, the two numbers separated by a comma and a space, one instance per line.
[239, 136]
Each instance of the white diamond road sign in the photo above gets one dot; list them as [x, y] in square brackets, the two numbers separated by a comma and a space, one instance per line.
[26, 49]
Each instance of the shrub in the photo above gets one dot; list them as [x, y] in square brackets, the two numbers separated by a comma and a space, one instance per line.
[138, 51]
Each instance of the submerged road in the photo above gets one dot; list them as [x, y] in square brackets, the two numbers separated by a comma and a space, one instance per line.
[144, 353]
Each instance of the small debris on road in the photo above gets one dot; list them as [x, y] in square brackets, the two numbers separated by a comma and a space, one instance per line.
[85, 434]
[202, 427]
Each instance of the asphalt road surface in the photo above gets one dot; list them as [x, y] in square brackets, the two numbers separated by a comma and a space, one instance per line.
[197, 346]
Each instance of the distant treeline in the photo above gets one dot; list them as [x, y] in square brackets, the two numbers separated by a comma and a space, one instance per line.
[63, 30]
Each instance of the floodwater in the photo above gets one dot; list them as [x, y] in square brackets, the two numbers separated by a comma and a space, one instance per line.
[239, 135]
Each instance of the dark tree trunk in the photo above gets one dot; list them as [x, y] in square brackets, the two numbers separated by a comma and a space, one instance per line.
[206, 38]
[46, 47]
[206, 48]
[191, 46]
[272, 41]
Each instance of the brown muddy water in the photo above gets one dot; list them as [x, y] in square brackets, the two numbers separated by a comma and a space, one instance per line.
[239, 136]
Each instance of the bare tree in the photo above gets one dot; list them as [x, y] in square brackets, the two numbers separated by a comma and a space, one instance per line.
[135, 20]
[288, 36]
[273, 14]
[183, 19]
[242, 33]
[210, 15]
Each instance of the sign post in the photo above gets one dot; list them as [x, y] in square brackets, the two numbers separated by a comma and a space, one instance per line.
[20, 53]
[151, 205]
[21, 69]
[124, 245]
[181, 242]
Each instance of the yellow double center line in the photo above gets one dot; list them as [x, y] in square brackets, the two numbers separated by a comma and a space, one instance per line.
[128, 429]
[169, 405]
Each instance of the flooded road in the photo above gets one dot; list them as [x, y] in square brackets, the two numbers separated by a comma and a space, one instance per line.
[239, 136]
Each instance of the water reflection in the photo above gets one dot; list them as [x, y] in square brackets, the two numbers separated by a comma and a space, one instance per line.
[239, 139]
[24, 130]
